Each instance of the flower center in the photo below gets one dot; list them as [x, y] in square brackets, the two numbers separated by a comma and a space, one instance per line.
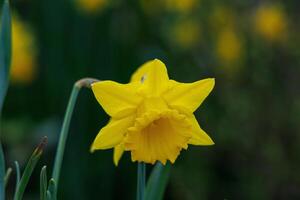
[158, 135]
[157, 126]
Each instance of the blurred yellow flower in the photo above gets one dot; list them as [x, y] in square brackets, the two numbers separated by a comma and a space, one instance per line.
[183, 6]
[270, 21]
[153, 8]
[222, 17]
[91, 6]
[185, 33]
[23, 67]
[152, 116]
[228, 47]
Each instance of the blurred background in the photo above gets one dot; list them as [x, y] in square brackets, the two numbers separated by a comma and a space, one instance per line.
[251, 47]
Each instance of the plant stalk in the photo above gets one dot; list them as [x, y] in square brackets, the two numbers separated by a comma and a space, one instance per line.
[141, 180]
[86, 82]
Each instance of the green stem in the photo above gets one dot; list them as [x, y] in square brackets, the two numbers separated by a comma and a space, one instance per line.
[64, 134]
[86, 82]
[141, 180]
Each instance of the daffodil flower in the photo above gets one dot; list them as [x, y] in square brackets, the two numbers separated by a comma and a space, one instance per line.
[152, 116]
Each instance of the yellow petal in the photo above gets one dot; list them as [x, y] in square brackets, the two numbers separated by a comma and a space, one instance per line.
[112, 134]
[118, 152]
[188, 96]
[199, 137]
[118, 100]
[153, 76]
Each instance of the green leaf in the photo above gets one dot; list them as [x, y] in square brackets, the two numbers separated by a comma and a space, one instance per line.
[29, 169]
[7, 176]
[17, 172]
[5, 57]
[51, 192]
[157, 182]
[5, 50]
[43, 183]
[2, 171]
[49, 197]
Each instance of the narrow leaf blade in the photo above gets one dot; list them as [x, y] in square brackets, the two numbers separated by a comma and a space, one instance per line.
[29, 169]
[18, 174]
[157, 182]
[5, 50]
[51, 192]
[43, 183]
[5, 57]
[7, 176]
[2, 172]
[49, 197]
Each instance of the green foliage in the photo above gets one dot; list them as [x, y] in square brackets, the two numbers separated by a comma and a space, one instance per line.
[51, 192]
[18, 174]
[29, 169]
[43, 183]
[7, 176]
[5, 57]
[85, 82]
[5, 51]
[64, 134]
[141, 181]
[2, 170]
[157, 182]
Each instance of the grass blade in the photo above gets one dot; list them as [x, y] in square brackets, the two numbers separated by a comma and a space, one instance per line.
[43, 183]
[157, 182]
[29, 169]
[49, 197]
[51, 192]
[7, 176]
[17, 172]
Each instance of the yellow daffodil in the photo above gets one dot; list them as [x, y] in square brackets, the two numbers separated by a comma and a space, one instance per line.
[228, 47]
[23, 67]
[270, 22]
[183, 6]
[152, 116]
[178, 6]
[222, 17]
[152, 7]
